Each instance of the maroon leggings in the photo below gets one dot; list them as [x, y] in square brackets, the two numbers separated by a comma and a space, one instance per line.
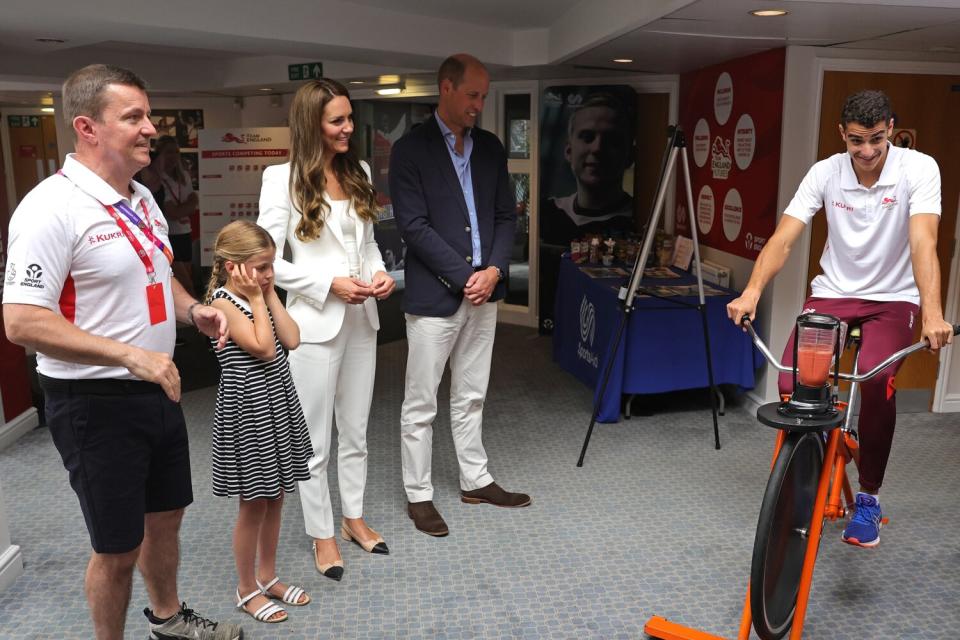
[887, 327]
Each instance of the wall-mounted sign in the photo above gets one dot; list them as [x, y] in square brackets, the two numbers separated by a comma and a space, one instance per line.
[906, 138]
[231, 170]
[735, 111]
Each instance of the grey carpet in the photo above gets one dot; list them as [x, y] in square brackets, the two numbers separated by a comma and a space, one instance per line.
[656, 523]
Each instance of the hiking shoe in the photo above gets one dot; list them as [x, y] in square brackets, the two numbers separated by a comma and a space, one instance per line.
[863, 530]
[187, 625]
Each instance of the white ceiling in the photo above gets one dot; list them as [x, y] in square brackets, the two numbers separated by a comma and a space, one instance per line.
[711, 31]
[233, 47]
[504, 14]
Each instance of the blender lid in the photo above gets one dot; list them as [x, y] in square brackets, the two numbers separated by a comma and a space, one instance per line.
[819, 321]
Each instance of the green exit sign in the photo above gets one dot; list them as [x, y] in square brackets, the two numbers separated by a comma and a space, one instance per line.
[23, 121]
[305, 71]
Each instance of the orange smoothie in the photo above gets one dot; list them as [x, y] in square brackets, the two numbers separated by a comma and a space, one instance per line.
[813, 364]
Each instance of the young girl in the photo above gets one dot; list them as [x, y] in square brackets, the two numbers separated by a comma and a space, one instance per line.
[260, 439]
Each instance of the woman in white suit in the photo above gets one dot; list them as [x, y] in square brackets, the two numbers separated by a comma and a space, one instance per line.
[323, 206]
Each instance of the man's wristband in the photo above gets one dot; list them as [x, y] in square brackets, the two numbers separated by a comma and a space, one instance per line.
[190, 313]
[499, 272]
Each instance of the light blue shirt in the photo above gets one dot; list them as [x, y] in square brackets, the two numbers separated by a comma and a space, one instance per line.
[461, 165]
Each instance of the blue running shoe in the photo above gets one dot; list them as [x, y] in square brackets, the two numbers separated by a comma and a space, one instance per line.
[863, 530]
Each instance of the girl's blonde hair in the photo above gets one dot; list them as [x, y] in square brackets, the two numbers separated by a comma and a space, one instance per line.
[307, 182]
[237, 242]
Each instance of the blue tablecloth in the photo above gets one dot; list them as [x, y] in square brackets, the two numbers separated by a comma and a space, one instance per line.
[662, 348]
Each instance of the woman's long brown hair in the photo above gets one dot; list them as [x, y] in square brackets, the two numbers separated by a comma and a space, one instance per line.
[307, 156]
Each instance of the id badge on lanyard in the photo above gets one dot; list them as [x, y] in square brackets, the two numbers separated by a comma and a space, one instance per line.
[156, 302]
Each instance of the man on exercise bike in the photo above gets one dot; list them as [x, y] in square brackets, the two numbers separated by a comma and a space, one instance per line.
[880, 262]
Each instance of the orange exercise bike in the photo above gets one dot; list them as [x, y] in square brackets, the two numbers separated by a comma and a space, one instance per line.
[807, 478]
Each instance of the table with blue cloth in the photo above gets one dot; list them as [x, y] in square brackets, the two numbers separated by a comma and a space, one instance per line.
[662, 348]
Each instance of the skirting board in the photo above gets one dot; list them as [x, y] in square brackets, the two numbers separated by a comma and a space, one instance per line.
[17, 427]
[11, 566]
[950, 404]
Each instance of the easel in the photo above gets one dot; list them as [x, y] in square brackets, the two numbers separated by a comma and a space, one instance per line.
[677, 147]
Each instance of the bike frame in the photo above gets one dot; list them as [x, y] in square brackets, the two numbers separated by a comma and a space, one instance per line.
[842, 447]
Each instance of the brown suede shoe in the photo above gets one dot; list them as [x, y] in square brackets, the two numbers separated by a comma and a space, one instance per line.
[426, 518]
[493, 494]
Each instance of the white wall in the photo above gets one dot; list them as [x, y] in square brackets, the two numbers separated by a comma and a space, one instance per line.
[263, 111]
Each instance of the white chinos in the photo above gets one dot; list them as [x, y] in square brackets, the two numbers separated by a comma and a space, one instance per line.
[466, 338]
[336, 378]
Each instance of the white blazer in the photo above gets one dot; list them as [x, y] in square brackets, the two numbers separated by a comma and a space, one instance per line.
[307, 279]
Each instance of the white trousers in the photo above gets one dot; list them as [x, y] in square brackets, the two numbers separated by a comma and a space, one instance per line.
[335, 378]
[466, 338]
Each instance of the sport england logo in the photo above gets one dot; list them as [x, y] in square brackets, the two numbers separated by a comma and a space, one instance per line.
[588, 330]
[32, 276]
[754, 243]
[888, 203]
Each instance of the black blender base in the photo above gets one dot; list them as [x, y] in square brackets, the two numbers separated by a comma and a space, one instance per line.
[780, 415]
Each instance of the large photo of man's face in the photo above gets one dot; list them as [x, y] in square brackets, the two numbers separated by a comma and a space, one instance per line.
[587, 152]
[599, 147]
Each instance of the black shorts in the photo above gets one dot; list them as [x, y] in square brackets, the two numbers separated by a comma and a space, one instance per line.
[182, 246]
[124, 444]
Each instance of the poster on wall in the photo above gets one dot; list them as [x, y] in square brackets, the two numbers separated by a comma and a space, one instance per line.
[732, 114]
[587, 153]
[182, 124]
[230, 167]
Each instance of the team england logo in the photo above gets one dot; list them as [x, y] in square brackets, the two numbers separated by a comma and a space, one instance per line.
[720, 159]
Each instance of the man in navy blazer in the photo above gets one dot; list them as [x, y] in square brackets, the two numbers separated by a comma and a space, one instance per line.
[455, 210]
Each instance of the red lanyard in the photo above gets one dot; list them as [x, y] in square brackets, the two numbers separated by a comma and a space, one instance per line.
[145, 229]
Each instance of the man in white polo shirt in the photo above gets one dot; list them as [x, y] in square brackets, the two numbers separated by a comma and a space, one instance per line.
[880, 262]
[88, 287]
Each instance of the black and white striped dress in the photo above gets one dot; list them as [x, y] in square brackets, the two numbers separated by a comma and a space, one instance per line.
[260, 440]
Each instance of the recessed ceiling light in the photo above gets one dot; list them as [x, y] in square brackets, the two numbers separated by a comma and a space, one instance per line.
[623, 60]
[47, 109]
[389, 91]
[264, 89]
[50, 40]
[768, 13]
[355, 82]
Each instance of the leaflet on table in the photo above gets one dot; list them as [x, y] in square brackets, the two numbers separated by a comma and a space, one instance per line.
[683, 290]
[605, 272]
[683, 253]
[659, 272]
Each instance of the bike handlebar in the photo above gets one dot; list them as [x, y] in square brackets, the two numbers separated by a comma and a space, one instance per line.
[903, 353]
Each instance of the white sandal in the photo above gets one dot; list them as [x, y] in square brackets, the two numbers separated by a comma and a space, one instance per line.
[264, 613]
[290, 596]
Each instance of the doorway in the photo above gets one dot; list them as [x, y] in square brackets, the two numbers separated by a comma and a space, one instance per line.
[33, 151]
[924, 105]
